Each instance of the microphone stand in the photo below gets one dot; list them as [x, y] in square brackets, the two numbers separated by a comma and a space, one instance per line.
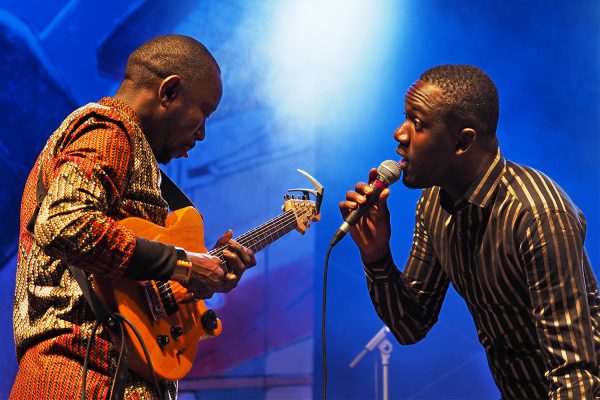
[385, 350]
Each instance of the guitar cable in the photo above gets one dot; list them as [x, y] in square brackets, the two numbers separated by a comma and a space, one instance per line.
[121, 320]
[122, 353]
[87, 357]
[323, 320]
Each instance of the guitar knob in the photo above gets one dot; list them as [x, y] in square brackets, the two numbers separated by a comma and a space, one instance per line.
[209, 320]
[176, 331]
[162, 340]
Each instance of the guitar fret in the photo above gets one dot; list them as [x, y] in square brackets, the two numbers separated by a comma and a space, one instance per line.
[260, 237]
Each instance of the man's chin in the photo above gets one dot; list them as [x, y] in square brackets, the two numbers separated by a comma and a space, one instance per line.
[167, 156]
[412, 183]
[163, 159]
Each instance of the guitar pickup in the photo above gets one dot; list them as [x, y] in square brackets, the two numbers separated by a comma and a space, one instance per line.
[153, 301]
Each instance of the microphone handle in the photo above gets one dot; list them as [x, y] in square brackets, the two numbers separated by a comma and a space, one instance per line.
[355, 215]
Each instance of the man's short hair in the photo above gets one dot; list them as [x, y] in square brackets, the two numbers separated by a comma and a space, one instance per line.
[470, 97]
[168, 55]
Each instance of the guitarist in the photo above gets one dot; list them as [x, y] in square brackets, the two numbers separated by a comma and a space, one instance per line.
[98, 167]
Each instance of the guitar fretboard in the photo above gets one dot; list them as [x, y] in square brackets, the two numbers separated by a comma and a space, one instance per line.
[256, 240]
[263, 235]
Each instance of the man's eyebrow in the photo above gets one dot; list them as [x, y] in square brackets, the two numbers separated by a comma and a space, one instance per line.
[416, 108]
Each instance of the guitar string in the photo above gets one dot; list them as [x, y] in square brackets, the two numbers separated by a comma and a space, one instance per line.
[258, 236]
[260, 233]
[286, 218]
[285, 221]
[266, 229]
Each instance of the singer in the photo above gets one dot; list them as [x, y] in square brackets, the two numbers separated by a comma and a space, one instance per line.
[506, 236]
[98, 167]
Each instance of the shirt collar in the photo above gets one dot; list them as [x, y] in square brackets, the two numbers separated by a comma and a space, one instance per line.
[123, 107]
[483, 189]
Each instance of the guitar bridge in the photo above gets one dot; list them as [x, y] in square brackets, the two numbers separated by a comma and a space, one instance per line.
[153, 301]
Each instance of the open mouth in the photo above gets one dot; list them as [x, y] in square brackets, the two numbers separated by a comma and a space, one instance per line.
[186, 151]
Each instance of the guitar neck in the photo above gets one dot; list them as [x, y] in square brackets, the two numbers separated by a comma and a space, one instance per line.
[263, 235]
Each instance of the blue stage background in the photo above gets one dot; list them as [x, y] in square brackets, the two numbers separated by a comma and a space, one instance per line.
[315, 85]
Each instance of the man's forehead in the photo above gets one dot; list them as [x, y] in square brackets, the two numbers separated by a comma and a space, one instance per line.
[423, 95]
[209, 89]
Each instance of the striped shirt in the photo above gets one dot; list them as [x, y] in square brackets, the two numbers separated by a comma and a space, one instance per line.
[512, 247]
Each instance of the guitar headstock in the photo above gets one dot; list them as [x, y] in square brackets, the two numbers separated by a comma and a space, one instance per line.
[305, 209]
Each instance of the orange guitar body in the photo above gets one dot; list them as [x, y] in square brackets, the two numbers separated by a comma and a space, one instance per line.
[169, 322]
[170, 336]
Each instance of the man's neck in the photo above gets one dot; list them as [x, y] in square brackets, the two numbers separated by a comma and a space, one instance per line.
[134, 97]
[469, 170]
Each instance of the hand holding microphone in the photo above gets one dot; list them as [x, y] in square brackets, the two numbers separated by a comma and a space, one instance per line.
[387, 173]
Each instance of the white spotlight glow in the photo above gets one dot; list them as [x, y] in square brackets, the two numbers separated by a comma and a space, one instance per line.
[318, 47]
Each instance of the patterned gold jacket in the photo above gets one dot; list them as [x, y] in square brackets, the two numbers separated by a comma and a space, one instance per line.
[98, 168]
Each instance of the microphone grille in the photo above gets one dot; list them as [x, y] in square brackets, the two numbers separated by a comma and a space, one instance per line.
[389, 172]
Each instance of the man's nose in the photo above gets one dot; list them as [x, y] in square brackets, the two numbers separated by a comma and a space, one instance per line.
[200, 135]
[401, 134]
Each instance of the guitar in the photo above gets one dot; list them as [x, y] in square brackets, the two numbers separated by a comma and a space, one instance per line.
[169, 321]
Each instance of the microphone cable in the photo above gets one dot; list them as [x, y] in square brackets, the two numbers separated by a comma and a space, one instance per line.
[323, 319]
[388, 172]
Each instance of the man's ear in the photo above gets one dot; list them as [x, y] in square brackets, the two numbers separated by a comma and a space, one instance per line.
[169, 90]
[466, 137]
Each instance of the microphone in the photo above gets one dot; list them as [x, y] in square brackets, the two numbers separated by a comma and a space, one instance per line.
[388, 172]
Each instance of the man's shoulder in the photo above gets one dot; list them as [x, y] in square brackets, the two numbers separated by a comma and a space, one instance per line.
[99, 115]
[534, 190]
[91, 113]
[428, 200]
[102, 112]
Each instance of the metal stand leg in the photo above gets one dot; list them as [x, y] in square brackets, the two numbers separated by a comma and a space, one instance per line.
[385, 349]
